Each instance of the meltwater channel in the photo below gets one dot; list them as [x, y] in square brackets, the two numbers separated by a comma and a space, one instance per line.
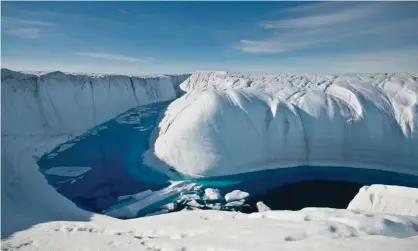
[95, 169]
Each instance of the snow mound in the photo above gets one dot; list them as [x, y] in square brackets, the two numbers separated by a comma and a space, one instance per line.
[236, 123]
[386, 199]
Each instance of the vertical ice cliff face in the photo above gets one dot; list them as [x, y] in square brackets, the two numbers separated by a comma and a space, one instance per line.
[58, 103]
[231, 123]
[40, 111]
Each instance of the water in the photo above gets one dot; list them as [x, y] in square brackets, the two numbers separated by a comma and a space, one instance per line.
[114, 150]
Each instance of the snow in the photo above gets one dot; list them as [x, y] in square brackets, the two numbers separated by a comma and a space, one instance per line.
[212, 194]
[55, 107]
[261, 207]
[308, 229]
[386, 199]
[236, 195]
[59, 103]
[236, 123]
[69, 171]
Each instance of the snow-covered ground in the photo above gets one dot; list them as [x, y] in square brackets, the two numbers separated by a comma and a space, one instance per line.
[41, 111]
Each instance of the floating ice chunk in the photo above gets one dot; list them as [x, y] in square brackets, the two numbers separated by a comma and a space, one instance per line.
[261, 207]
[65, 147]
[51, 155]
[189, 197]
[144, 205]
[195, 204]
[212, 194]
[68, 171]
[170, 206]
[235, 203]
[236, 195]
[137, 196]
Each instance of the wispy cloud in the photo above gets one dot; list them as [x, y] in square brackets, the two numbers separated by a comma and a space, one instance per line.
[26, 28]
[123, 11]
[13, 22]
[24, 32]
[111, 56]
[320, 20]
[313, 25]
[267, 46]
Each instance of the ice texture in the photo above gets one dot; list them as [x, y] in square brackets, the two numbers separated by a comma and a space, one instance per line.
[230, 123]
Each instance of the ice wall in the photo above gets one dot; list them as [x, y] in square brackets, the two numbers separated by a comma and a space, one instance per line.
[57, 103]
[231, 123]
[42, 110]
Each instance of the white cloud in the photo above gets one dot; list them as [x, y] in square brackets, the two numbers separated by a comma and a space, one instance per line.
[24, 32]
[329, 19]
[26, 28]
[346, 24]
[10, 22]
[112, 56]
[267, 46]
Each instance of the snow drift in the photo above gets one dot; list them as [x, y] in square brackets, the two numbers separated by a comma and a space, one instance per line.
[386, 199]
[236, 123]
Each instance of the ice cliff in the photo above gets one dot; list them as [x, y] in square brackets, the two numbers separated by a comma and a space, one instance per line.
[42, 110]
[231, 123]
[58, 103]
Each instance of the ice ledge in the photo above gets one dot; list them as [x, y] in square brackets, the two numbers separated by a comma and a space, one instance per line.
[386, 199]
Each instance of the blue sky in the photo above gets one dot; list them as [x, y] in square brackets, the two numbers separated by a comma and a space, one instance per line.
[169, 37]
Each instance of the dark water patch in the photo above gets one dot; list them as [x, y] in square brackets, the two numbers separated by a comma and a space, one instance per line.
[315, 193]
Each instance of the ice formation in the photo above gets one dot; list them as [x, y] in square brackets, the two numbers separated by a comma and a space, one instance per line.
[41, 111]
[386, 199]
[236, 123]
[318, 113]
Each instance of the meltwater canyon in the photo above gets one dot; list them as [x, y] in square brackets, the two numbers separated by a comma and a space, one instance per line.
[132, 146]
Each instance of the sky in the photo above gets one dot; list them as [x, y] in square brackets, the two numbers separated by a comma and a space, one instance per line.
[182, 37]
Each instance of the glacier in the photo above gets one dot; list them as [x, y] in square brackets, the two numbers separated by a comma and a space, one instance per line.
[231, 130]
[230, 123]
[43, 111]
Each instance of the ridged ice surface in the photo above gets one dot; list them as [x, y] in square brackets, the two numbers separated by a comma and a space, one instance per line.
[234, 123]
[58, 103]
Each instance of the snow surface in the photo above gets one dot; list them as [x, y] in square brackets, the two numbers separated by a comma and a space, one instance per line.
[386, 199]
[236, 123]
[55, 107]
[308, 229]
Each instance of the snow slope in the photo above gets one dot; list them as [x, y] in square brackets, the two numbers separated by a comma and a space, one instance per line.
[236, 123]
[386, 199]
